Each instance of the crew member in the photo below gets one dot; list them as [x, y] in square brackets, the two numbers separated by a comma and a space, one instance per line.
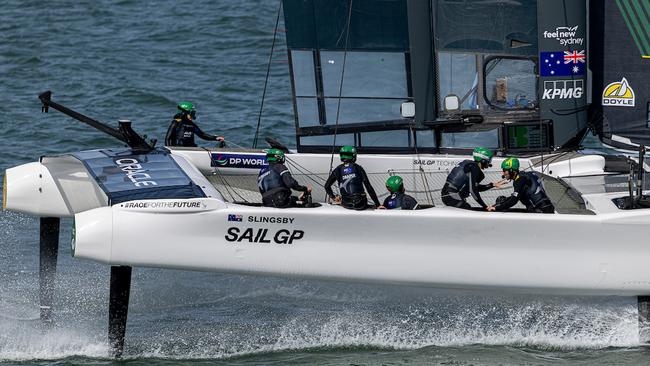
[182, 129]
[398, 199]
[528, 190]
[464, 180]
[351, 179]
[275, 182]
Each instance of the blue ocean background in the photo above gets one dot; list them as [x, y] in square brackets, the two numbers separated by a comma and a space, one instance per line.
[136, 60]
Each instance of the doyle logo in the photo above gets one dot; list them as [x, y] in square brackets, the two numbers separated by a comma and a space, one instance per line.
[236, 218]
[563, 89]
[249, 161]
[135, 172]
[565, 36]
[619, 94]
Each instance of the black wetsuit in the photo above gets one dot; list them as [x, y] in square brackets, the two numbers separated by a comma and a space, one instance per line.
[275, 183]
[351, 179]
[400, 200]
[462, 182]
[529, 190]
[181, 132]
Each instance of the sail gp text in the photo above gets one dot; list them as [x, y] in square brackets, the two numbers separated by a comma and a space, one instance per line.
[263, 236]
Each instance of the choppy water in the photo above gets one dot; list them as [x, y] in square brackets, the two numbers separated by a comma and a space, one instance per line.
[136, 59]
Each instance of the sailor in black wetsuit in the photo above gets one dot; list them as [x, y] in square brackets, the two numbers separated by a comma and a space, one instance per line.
[182, 129]
[464, 180]
[275, 182]
[398, 199]
[528, 190]
[351, 179]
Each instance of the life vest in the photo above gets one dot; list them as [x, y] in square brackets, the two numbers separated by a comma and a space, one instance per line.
[351, 180]
[184, 134]
[535, 196]
[395, 200]
[458, 179]
[269, 181]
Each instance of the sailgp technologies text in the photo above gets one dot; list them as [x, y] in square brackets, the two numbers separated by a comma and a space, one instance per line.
[439, 163]
[135, 173]
[263, 236]
[157, 204]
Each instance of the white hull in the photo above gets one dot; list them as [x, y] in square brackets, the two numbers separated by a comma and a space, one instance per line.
[601, 250]
[441, 247]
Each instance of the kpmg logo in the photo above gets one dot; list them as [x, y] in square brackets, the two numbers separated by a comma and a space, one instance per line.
[565, 36]
[563, 89]
[249, 161]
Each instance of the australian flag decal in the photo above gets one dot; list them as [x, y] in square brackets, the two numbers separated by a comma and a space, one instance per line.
[565, 63]
[237, 218]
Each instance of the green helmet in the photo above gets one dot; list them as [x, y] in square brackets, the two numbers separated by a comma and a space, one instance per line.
[274, 156]
[187, 108]
[348, 153]
[510, 164]
[395, 184]
[482, 155]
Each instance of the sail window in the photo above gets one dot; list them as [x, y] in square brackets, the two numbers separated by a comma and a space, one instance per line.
[399, 138]
[510, 83]
[496, 26]
[304, 78]
[358, 110]
[307, 111]
[470, 140]
[458, 75]
[425, 138]
[367, 74]
[328, 140]
[374, 86]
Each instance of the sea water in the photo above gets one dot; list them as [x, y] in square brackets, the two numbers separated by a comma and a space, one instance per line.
[136, 60]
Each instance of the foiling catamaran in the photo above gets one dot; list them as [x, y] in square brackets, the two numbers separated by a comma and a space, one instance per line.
[414, 85]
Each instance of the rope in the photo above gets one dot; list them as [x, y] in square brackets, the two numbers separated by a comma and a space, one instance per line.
[224, 182]
[338, 106]
[266, 80]
[306, 172]
[229, 142]
[425, 181]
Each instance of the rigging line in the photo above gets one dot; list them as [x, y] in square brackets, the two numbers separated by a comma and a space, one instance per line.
[425, 181]
[304, 171]
[233, 189]
[224, 182]
[266, 80]
[215, 172]
[234, 144]
[338, 106]
[552, 159]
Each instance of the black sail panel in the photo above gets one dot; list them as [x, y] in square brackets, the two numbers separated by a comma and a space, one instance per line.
[621, 66]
